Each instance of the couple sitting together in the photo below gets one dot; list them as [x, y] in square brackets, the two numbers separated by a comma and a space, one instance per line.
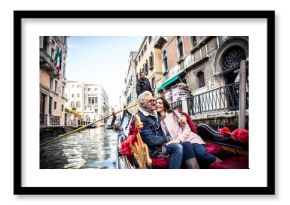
[166, 131]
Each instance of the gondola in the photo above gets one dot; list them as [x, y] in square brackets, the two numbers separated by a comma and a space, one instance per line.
[233, 153]
[92, 126]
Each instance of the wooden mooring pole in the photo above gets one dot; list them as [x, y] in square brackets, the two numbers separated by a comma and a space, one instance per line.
[242, 95]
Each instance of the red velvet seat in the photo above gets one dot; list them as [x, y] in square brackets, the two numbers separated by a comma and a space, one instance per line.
[160, 163]
[215, 149]
[236, 162]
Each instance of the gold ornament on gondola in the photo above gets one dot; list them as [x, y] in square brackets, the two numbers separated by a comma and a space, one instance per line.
[140, 149]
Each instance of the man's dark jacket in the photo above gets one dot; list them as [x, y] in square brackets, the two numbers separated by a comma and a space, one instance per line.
[152, 133]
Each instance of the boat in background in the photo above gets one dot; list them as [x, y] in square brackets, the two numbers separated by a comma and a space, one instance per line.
[92, 126]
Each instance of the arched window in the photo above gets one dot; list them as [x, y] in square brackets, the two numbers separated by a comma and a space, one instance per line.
[45, 43]
[232, 58]
[180, 46]
[146, 67]
[164, 59]
[153, 85]
[193, 41]
[151, 61]
[72, 104]
[78, 104]
[201, 81]
[150, 39]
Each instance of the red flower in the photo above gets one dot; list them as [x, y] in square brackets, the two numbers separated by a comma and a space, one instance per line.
[225, 131]
[241, 135]
[125, 148]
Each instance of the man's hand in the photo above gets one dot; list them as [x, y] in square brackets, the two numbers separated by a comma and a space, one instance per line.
[175, 141]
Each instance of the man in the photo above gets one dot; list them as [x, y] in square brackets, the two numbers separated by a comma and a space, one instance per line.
[152, 133]
[143, 84]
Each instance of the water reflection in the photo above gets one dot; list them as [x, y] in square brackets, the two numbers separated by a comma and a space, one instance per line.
[87, 149]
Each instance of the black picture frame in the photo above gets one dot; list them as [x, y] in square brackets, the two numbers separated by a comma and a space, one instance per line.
[19, 189]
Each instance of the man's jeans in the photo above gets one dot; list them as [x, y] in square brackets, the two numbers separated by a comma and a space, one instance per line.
[176, 153]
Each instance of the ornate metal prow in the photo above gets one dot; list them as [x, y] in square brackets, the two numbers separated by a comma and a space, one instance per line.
[140, 149]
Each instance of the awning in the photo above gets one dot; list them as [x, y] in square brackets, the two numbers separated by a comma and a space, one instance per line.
[167, 83]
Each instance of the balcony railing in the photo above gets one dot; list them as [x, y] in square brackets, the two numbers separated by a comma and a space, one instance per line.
[54, 120]
[43, 119]
[176, 104]
[159, 41]
[223, 98]
[46, 61]
[49, 120]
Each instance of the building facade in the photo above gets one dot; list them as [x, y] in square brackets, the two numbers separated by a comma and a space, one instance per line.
[148, 59]
[130, 95]
[53, 54]
[89, 101]
[96, 104]
[74, 93]
[203, 70]
[130, 80]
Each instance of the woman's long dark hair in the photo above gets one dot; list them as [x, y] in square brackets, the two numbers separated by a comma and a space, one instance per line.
[166, 105]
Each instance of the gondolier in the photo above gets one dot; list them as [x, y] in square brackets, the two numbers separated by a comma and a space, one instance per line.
[143, 84]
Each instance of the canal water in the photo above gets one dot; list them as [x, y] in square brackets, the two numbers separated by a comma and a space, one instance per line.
[88, 149]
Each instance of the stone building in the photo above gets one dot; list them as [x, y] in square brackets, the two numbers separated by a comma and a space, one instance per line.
[52, 58]
[208, 66]
[130, 95]
[148, 59]
[96, 102]
[89, 101]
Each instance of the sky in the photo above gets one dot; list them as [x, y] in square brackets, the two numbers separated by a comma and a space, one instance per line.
[101, 60]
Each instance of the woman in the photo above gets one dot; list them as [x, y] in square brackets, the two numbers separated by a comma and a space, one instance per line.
[193, 145]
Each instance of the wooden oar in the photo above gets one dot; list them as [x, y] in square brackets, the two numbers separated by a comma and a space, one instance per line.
[80, 128]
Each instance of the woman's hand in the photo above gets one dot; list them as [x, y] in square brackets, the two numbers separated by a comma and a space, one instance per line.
[182, 122]
[175, 141]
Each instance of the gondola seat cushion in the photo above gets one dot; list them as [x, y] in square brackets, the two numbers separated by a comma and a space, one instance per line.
[241, 136]
[215, 149]
[236, 162]
[160, 162]
[225, 131]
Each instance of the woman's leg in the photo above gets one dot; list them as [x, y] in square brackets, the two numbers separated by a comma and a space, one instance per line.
[189, 156]
[202, 155]
[176, 153]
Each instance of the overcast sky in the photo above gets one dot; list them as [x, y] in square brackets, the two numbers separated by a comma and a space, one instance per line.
[101, 60]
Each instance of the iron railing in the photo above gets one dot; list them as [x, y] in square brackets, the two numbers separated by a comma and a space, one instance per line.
[46, 60]
[222, 98]
[54, 120]
[43, 119]
[176, 104]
